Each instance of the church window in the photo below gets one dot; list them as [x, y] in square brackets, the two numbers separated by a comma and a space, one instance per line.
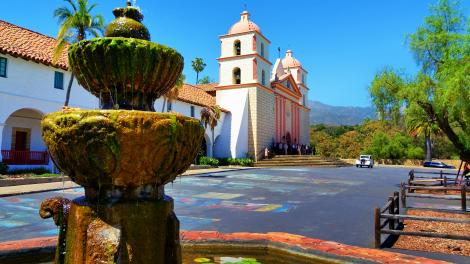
[303, 78]
[263, 77]
[288, 85]
[3, 67]
[237, 76]
[262, 49]
[237, 48]
[59, 80]
[193, 111]
[169, 106]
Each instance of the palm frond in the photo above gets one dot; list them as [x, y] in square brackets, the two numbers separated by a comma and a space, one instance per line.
[62, 13]
[58, 50]
[65, 28]
[91, 8]
[72, 4]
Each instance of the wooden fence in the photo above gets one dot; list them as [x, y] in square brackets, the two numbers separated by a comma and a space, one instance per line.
[388, 220]
[431, 178]
[408, 191]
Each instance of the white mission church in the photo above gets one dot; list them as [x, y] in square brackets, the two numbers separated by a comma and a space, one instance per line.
[263, 103]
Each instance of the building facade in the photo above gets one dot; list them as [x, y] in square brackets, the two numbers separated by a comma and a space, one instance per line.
[263, 103]
[268, 104]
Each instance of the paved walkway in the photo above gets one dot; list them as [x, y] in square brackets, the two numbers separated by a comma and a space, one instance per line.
[333, 204]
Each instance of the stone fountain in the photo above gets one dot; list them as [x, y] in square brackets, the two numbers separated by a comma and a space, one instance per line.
[122, 154]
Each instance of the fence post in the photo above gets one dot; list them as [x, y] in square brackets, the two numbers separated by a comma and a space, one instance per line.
[377, 241]
[396, 201]
[463, 193]
[445, 184]
[403, 194]
[412, 178]
[391, 210]
[441, 178]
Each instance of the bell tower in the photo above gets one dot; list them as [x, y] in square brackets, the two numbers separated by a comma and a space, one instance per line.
[244, 57]
[244, 88]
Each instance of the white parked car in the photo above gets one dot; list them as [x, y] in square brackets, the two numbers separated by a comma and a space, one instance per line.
[365, 161]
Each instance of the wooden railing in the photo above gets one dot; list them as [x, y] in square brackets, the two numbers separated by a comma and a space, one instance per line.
[19, 157]
[408, 191]
[389, 221]
[428, 178]
[392, 207]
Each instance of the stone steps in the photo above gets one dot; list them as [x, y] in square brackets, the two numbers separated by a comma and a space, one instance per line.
[298, 160]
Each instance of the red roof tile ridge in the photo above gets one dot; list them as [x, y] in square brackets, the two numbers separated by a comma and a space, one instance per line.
[27, 29]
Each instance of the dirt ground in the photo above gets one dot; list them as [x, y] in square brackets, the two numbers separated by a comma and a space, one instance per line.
[428, 244]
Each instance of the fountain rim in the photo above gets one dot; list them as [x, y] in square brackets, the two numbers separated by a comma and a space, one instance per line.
[326, 250]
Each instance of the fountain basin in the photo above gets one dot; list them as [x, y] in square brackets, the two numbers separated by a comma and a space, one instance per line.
[126, 72]
[121, 151]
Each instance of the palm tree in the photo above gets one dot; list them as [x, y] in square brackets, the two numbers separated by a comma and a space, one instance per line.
[418, 123]
[210, 115]
[173, 93]
[75, 25]
[198, 66]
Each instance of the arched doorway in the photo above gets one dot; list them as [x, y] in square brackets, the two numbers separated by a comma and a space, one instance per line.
[21, 142]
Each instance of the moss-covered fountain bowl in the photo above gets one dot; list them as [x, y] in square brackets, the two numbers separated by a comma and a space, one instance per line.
[126, 72]
[121, 149]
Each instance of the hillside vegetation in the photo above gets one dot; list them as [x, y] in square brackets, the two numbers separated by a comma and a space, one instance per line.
[381, 139]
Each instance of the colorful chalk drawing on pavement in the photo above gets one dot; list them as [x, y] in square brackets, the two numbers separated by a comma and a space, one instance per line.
[217, 195]
[255, 192]
[196, 223]
[184, 203]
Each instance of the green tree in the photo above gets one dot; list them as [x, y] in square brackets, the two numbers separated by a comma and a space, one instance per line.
[205, 80]
[383, 91]
[76, 24]
[418, 123]
[350, 144]
[441, 88]
[324, 144]
[198, 66]
[210, 115]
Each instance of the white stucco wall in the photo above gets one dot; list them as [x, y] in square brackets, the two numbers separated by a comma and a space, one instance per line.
[227, 44]
[260, 40]
[32, 80]
[227, 67]
[236, 101]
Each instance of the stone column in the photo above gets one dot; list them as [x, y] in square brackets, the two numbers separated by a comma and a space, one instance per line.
[2, 126]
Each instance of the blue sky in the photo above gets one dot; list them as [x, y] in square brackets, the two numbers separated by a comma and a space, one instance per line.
[341, 43]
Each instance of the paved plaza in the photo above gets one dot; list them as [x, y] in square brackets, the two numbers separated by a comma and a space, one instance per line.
[326, 203]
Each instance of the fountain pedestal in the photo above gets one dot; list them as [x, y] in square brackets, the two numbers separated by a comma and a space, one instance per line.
[124, 232]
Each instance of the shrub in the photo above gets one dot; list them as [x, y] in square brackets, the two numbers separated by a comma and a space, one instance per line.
[208, 161]
[246, 162]
[3, 168]
[36, 171]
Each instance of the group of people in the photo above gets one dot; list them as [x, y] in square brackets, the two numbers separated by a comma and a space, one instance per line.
[284, 148]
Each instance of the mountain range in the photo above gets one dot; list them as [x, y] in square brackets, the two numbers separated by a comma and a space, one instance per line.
[339, 115]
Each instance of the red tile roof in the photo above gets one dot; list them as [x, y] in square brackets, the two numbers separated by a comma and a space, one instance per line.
[29, 45]
[209, 87]
[193, 94]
